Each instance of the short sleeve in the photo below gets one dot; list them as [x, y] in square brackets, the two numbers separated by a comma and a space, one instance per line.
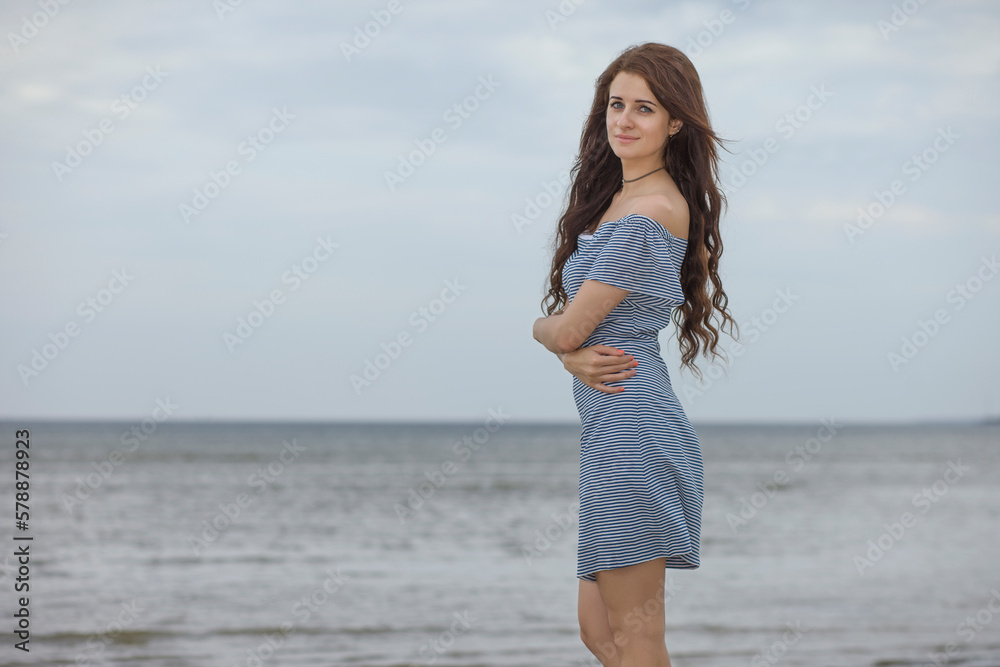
[641, 256]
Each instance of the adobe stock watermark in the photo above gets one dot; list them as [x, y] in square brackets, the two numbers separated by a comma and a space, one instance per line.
[454, 116]
[302, 610]
[562, 12]
[437, 477]
[898, 17]
[248, 149]
[225, 7]
[914, 167]
[121, 108]
[365, 34]
[779, 648]
[88, 310]
[967, 629]
[786, 126]
[713, 29]
[98, 642]
[926, 330]
[543, 198]
[796, 460]
[264, 309]
[437, 646]
[754, 328]
[420, 319]
[923, 502]
[635, 620]
[544, 539]
[230, 512]
[32, 24]
[130, 439]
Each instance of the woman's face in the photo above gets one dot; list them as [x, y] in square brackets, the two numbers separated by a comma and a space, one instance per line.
[637, 123]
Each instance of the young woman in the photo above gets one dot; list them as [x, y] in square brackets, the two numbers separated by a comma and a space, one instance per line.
[638, 243]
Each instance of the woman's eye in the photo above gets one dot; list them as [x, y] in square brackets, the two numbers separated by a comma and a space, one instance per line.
[614, 105]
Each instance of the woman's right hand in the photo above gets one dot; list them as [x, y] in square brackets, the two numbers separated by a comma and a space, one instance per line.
[598, 364]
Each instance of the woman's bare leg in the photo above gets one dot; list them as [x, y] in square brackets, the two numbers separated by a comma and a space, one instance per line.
[634, 598]
[595, 629]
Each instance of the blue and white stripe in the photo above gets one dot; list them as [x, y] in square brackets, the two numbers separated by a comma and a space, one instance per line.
[641, 473]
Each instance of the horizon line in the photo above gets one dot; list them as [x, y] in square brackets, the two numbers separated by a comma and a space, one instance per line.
[982, 421]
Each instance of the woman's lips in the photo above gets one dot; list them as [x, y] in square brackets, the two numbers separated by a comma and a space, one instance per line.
[625, 139]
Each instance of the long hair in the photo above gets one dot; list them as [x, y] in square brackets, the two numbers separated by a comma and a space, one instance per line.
[691, 160]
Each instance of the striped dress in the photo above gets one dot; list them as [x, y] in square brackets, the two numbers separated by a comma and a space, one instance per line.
[641, 475]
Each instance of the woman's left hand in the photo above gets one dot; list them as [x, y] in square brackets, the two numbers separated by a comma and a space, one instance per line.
[597, 364]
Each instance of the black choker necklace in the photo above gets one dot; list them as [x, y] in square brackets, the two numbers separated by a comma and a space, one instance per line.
[643, 176]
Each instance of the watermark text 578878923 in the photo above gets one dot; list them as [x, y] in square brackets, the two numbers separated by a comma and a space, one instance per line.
[22, 550]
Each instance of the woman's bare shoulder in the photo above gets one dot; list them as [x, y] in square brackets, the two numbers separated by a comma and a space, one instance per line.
[671, 212]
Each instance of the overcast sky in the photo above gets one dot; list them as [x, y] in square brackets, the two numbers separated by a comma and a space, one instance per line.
[340, 176]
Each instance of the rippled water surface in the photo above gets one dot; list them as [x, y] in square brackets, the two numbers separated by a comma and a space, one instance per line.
[379, 545]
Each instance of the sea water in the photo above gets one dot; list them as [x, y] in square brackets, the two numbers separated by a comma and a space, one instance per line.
[223, 544]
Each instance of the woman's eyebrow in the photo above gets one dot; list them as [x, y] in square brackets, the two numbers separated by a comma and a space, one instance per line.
[615, 97]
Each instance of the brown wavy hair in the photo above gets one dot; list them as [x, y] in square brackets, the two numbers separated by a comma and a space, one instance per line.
[691, 159]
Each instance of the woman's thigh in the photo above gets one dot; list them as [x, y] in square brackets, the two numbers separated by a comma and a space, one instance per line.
[592, 612]
[633, 597]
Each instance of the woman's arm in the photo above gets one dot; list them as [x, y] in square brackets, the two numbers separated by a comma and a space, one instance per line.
[565, 331]
[546, 332]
